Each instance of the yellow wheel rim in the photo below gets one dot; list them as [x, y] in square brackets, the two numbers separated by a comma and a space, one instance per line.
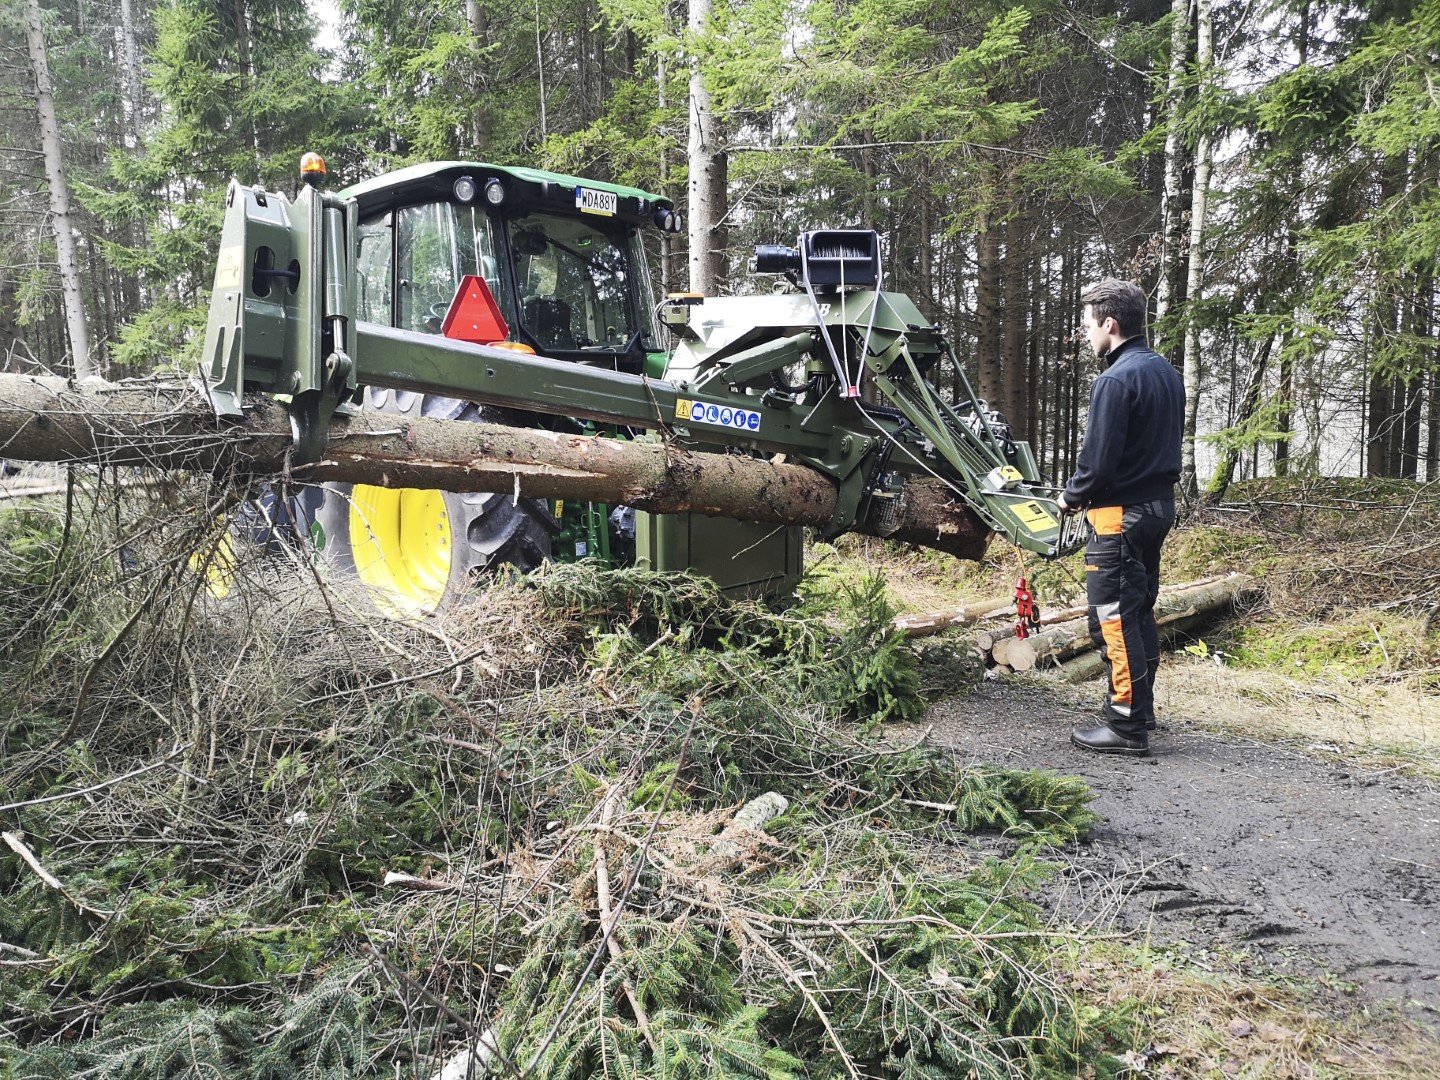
[401, 541]
[218, 562]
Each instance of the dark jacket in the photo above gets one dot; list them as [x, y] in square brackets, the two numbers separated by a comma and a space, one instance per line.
[1132, 439]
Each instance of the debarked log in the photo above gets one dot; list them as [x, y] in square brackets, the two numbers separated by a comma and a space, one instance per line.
[168, 424]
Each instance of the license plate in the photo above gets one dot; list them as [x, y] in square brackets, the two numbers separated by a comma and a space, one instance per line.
[590, 201]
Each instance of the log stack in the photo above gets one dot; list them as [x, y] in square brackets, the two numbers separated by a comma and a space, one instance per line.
[1062, 641]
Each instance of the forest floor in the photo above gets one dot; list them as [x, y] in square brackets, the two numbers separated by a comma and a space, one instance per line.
[1310, 861]
[1284, 834]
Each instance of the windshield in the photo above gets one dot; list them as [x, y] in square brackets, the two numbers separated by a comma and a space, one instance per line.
[579, 285]
[575, 282]
[434, 246]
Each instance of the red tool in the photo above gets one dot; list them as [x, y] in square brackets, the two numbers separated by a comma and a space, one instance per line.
[1027, 615]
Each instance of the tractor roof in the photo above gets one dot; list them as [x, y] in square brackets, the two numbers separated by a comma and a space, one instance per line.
[533, 188]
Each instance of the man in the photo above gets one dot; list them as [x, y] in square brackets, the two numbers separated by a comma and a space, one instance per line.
[1125, 481]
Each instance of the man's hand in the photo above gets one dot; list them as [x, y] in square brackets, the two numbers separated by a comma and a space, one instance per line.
[1065, 507]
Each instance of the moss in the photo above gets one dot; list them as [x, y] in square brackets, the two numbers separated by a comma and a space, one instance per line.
[1199, 551]
[1363, 644]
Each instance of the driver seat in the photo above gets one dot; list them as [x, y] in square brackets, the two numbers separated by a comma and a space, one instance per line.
[548, 320]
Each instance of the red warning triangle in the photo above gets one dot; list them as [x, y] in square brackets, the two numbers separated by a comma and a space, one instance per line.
[474, 316]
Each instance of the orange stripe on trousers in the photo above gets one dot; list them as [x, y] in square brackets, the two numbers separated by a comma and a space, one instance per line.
[1119, 662]
[1106, 520]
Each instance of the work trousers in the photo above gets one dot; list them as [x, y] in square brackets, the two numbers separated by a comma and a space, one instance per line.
[1122, 580]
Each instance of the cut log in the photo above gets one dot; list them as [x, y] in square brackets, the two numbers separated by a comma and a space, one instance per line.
[169, 425]
[1058, 643]
[1020, 654]
[1090, 665]
[927, 623]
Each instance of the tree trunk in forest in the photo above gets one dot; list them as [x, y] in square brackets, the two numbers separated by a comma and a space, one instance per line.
[1384, 421]
[1230, 456]
[1174, 162]
[706, 163]
[15, 352]
[1015, 328]
[130, 59]
[989, 361]
[1195, 277]
[154, 425]
[59, 194]
[478, 20]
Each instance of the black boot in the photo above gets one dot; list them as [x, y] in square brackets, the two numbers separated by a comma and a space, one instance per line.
[1104, 739]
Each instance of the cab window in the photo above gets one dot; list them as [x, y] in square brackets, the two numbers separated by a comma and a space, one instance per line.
[573, 280]
[436, 244]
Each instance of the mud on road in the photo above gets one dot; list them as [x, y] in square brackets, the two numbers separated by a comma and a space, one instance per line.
[1314, 866]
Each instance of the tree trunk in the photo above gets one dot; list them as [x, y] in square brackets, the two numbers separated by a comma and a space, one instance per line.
[130, 58]
[478, 19]
[59, 194]
[155, 425]
[1230, 456]
[1196, 275]
[1016, 324]
[15, 352]
[1174, 160]
[989, 363]
[704, 160]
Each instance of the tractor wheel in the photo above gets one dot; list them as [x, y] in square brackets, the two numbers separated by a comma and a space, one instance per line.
[416, 549]
[266, 527]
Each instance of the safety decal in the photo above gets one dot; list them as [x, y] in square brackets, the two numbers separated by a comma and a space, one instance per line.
[1033, 516]
[720, 415]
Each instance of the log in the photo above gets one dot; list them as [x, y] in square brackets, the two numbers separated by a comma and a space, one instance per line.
[1068, 639]
[1090, 665]
[168, 424]
[925, 624]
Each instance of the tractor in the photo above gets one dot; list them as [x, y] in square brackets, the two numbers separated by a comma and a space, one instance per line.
[469, 291]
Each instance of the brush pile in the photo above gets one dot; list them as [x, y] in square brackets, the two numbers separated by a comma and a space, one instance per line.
[585, 824]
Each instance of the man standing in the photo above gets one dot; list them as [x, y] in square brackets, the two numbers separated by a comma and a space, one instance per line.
[1125, 481]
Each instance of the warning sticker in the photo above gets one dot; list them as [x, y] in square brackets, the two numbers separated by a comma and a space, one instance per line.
[227, 268]
[699, 412]
[1034, 517]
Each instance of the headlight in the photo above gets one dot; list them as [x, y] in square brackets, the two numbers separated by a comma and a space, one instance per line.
[494, 192]
[465, 189]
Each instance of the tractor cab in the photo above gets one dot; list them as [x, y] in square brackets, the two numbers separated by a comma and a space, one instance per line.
[562, 257]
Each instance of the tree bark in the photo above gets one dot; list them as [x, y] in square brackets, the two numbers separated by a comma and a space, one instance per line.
[478, 19]
[130, 58]
[704, 158]
[1195, 277]
[171, 426]
[989, 363]
[59, 194]
[1170, 199]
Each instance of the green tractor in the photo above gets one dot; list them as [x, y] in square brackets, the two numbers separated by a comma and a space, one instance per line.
[468, 291]
[568, 281]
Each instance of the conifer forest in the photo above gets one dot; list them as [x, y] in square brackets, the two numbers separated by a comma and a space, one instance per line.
[576, 817]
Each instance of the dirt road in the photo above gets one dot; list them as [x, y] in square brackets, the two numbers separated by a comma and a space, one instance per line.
[1314, 866]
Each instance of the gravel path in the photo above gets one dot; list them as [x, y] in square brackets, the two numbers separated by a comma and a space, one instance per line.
[1314, 866]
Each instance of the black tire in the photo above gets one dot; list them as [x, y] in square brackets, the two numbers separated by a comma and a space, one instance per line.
[278, 525]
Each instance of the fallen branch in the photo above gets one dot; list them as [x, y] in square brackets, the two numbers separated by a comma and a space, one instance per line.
[29, 858]
[175, 752]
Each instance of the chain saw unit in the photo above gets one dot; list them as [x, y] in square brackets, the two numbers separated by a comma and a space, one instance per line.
[539, 285]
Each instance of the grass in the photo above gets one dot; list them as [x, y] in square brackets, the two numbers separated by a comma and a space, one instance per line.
[1202, 1013]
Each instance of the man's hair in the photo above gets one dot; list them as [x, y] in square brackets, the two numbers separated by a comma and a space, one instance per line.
[1122, 301]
